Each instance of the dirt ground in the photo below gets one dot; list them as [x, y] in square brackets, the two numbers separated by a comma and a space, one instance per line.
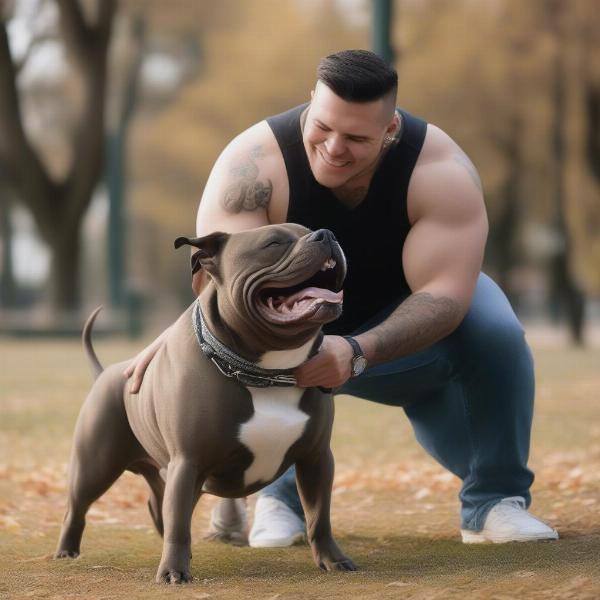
[395, 512]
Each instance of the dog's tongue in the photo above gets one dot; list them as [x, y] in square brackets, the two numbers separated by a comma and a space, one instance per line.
[315, 292]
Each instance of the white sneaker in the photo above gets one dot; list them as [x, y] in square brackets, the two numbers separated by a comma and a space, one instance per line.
[509, 521]
[228, 522]
[275, 525]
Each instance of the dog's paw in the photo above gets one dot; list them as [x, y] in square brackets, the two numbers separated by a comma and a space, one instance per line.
[344, 564]
[173, 576]
[66, 554]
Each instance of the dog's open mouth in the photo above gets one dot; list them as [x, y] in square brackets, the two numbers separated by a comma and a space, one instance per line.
[314, 298]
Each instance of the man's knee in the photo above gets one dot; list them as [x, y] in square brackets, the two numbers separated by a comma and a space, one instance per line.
[500, 340]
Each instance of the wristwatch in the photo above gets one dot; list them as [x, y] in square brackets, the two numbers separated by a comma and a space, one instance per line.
[359, 362]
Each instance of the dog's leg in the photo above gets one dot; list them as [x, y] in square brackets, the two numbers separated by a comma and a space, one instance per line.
[151, 474]
[103, 446]
[184, 482]
[315, 479]
[88, 481]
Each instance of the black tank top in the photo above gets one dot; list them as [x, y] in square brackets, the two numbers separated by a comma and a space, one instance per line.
[372, 234]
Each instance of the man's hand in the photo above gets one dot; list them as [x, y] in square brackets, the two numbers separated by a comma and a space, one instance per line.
[330, 368]
[137, 367]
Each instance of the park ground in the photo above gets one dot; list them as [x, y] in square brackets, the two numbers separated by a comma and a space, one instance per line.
[395, 512]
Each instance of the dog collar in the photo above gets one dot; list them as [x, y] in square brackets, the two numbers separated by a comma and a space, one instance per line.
[234, 366]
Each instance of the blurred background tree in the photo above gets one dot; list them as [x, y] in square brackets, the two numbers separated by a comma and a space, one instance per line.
[509, 85]
[57, 188]
[516, 84]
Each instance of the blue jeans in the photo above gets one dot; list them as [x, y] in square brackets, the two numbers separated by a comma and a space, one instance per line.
[469, 398]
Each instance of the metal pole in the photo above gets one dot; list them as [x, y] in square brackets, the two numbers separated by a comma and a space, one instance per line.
[116, 175]
[380, 30]
[116, 222]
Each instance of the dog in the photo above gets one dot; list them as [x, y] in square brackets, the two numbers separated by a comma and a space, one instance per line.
[219, 411]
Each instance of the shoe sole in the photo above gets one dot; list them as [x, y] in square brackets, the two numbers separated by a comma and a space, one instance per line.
[278, 543]
[477, 537]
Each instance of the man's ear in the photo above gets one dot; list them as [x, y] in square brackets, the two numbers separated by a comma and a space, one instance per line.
[208, 248]
[394, 126]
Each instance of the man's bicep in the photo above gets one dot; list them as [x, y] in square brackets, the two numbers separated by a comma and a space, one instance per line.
[444, 250]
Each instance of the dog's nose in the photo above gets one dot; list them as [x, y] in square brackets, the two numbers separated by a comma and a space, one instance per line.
[321, 235]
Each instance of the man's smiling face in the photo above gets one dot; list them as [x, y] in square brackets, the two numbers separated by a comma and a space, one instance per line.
[343, 140]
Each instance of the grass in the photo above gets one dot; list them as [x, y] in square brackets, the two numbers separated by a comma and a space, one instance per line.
[395, 511]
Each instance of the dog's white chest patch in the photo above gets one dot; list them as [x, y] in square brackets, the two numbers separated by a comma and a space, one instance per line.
[276, 424]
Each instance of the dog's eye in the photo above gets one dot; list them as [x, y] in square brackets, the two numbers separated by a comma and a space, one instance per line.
[272, 243]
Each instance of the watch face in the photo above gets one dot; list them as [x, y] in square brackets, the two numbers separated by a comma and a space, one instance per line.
[359, 364]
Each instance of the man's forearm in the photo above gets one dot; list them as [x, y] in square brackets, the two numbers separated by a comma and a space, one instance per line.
[421, 320]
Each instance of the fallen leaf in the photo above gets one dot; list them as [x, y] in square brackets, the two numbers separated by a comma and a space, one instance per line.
[422, 493]
[523, 574]
[7, 522]
[36, 558]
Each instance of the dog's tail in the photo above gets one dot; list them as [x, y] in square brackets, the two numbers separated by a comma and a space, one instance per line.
[86, 338]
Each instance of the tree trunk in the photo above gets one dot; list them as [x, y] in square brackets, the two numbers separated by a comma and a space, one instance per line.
[506, 228]
[64, 270]
[8, 287]
[571, 299]
[592, 105]
[563, 284]
[58, 206]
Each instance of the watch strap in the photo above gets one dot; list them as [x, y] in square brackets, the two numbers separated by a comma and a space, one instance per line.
[355, 346]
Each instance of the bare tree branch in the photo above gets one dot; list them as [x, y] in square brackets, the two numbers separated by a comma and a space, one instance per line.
[25, 171]
[88, 143]
[106, 12]
[76, 32]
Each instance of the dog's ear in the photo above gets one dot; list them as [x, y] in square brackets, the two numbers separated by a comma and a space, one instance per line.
[208, 247]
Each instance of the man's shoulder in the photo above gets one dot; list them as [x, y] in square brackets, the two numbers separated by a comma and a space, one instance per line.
[257, 135]
[262, 132]
[256, 146]
[437, 146]
[444, 178]
[443, 160]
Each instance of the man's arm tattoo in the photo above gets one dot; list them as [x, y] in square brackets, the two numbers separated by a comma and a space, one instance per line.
[246, 193]
[421, 320]
[462, 159]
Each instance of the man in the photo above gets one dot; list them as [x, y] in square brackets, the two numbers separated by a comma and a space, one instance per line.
[436, 336]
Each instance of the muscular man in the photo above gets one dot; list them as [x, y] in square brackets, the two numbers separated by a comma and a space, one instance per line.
[438, 337]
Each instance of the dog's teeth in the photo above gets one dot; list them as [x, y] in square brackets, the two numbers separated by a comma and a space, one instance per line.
[328, 264]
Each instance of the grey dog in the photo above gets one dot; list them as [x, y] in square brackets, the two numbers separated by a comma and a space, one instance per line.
[219, 411]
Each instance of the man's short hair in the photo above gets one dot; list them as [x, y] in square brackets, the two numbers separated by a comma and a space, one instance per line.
[358, 75]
